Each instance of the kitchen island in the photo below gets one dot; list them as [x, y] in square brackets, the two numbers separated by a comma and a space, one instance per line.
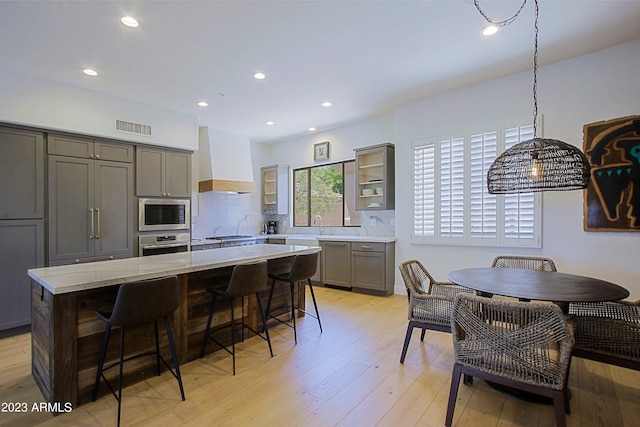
[66, 335]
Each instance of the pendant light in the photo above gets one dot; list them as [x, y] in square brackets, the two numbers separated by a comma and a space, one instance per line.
[539, 164]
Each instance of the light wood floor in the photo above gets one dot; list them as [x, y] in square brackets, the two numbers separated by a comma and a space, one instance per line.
[349, 375]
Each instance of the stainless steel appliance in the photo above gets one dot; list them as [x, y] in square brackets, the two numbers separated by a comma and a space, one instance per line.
[237, 240]
[164, 243]
[272, 227]
[164, 214]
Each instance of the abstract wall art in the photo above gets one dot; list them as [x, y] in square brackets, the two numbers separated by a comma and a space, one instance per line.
[612, 200]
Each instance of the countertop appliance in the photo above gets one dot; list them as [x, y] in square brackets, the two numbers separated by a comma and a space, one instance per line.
[164, 214]
[235, 240]
[164, 243]
[272, 227]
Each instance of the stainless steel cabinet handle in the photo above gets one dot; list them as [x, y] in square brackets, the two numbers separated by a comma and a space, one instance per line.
[367, 247]
[98, 220]
[92, 223]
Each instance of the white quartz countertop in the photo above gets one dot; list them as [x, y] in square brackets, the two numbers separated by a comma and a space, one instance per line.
[79, 277]
[340, 237]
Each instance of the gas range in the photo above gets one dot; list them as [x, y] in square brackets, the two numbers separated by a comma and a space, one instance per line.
[234, 240]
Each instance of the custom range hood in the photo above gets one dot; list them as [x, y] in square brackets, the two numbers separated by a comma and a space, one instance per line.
[224, 161]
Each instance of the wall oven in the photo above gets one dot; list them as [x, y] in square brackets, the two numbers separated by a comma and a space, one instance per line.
[164, 214]
[163, 243]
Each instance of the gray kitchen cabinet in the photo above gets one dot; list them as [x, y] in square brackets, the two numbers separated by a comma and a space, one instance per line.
[336, 263]
[276, 241]
[23, 249]
[372, 267]
[86, 148]
[275, 189]
[375, 177]
[21, 174]
[91, 210]
[22, 211]
[162, 173]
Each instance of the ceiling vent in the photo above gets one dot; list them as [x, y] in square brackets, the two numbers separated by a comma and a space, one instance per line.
[130, 127]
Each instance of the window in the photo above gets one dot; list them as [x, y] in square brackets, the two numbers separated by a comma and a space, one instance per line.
[450, 200]
[327, 191]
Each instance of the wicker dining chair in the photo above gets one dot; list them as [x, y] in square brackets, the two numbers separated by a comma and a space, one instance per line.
[532, 354]
[607, 332]
[430, 301]
[524, 262]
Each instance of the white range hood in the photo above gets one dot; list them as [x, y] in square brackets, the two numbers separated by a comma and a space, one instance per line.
[225, 162]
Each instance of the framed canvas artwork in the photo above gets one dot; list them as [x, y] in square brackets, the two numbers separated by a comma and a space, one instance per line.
[321, 151]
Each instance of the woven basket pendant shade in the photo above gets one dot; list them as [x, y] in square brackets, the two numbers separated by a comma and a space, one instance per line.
[539, 164]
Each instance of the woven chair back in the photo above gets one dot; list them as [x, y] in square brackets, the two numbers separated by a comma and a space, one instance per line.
[527, 263]
[528, 342]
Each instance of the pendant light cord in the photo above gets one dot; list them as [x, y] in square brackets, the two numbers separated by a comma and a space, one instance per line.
[535, 71]
[504, 23]
[508, 21]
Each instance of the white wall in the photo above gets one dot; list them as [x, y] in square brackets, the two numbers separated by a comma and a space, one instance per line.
[599, 86]
[31, 101]
[298, 153]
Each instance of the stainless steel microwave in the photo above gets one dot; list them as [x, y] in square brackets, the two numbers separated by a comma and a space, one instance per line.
[164, 214]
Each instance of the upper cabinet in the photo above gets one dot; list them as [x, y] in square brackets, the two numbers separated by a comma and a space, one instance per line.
[275, 189]
[162, 173]
[89, 149]
[21, 174]
[375, 177]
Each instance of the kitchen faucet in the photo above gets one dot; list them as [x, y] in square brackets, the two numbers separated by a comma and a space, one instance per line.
[240, 222]
[319, 222]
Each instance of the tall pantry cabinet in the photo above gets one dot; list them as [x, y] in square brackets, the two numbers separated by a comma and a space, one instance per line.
[21, 221]
[91, 204]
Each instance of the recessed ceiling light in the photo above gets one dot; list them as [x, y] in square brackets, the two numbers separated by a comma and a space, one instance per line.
[260, 75]
[90, 72]
[311, 129]
[490, 30]
[203, 103]
[326, 104]
[270, 123]
[129, 21]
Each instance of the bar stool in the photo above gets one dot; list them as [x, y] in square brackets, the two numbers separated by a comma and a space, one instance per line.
[302, 269]
[138, 303]
[246, 279]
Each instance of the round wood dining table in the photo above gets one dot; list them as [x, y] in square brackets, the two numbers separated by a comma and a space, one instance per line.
[538, 285]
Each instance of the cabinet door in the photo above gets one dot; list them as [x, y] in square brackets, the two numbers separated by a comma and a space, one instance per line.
[26, 250]
[336, 263]
[113, 151]
[177, 177]
[368, 270]
[149, 172]
[71, 215]
[114, 209]
[70, 146]
[21, 174]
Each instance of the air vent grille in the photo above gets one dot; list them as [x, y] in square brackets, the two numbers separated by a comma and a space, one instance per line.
[130, 127]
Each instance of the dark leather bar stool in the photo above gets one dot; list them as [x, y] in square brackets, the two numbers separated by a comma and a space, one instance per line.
[246, 279]
[139, 303]
[302, 269]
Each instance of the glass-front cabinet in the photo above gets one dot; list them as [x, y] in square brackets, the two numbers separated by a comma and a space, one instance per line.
[275, 190]
[375, 167]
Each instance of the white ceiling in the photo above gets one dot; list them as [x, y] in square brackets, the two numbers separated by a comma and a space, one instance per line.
[364, 56]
